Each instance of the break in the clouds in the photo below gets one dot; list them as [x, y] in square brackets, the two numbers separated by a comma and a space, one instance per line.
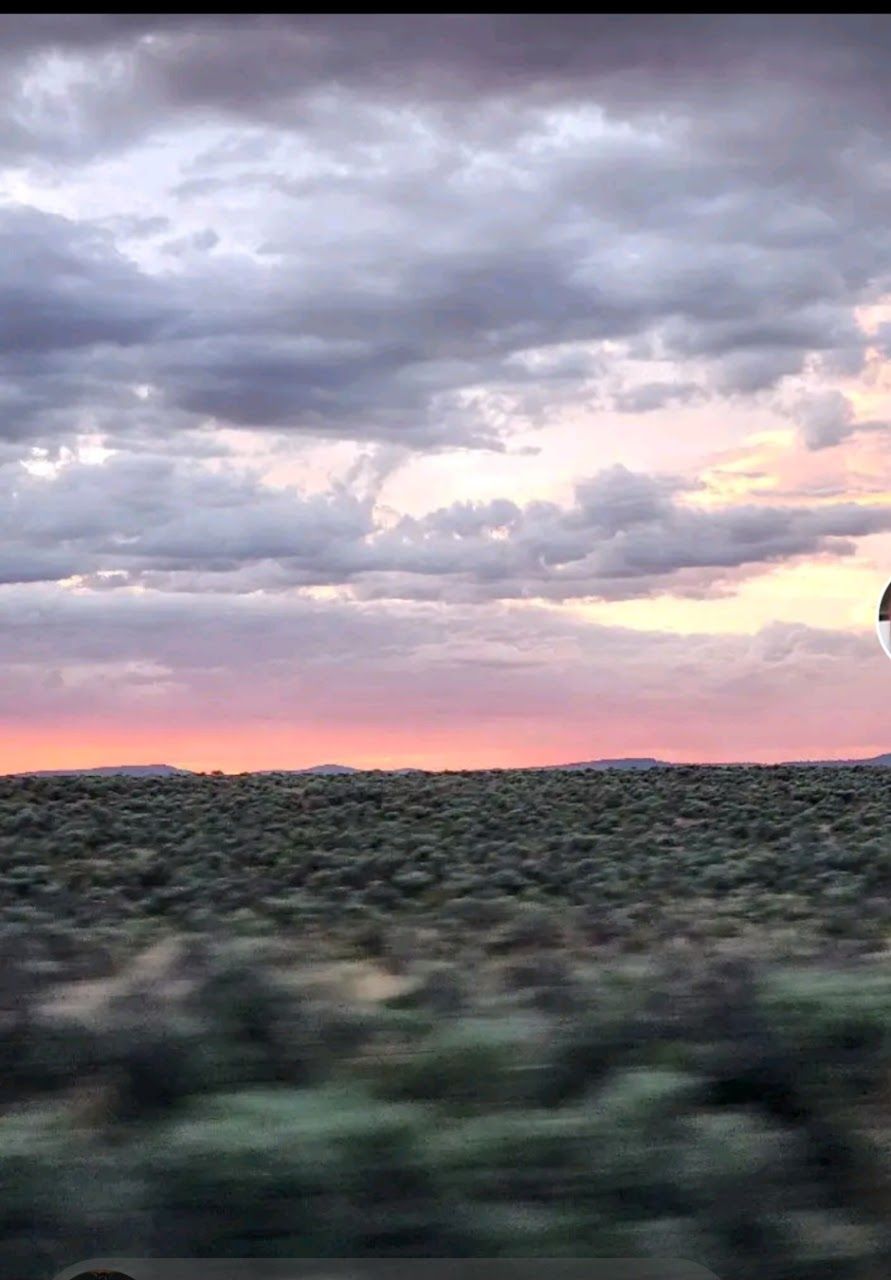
[477, 315]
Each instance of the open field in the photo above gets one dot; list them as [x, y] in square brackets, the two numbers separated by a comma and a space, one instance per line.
[449, 1015]
[800, 855]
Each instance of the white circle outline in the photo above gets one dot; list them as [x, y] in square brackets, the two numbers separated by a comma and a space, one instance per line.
[886, 590]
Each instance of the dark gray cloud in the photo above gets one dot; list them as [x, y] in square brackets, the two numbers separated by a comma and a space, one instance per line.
[826, 419]
[64, 288]
[173, 526]
[75, 318]
[244, 62]
[429, 198]
[656, 395]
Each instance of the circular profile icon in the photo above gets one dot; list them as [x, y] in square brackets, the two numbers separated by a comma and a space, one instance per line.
[883, 621]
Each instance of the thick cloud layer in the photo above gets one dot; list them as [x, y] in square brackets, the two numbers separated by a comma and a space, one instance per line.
[377, 219]
[156, 523]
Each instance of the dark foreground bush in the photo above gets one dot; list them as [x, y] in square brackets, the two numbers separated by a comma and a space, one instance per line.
[732, 1115]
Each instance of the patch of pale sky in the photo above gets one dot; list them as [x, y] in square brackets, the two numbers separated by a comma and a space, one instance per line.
[829, 594]
[89, 451]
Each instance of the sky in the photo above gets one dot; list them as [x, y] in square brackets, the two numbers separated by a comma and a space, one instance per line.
[444, 391]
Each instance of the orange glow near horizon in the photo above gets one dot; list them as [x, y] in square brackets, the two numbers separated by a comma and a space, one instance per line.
[204, 749]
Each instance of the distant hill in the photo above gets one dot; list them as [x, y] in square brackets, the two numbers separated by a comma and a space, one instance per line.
[313, 768]
[164, 771]
[649, 762]
[870, 762]
[328, 768]
[109, 771]
[627, 762]
[640, 763]
[630, 764]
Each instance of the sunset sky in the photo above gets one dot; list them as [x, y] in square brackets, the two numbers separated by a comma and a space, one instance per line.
[444, 391]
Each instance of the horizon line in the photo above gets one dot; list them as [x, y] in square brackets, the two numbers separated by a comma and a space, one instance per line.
[651, 761]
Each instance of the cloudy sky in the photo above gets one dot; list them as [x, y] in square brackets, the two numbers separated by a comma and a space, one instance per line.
[443, 391]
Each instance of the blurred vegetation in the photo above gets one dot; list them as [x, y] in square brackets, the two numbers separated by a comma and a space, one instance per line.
[455, 1015]
[799, 853]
